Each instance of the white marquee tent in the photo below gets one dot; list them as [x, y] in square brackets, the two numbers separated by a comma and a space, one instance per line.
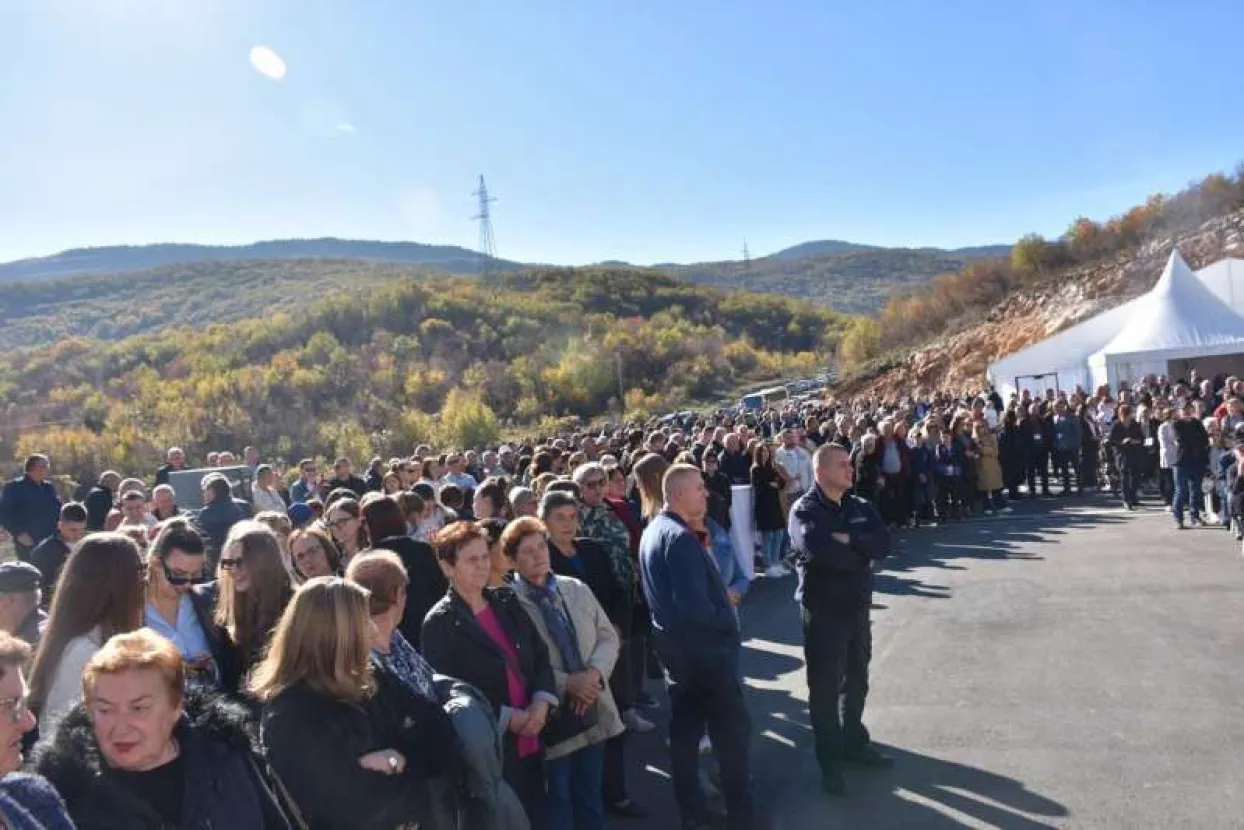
[1180, 319]
[1226, 279]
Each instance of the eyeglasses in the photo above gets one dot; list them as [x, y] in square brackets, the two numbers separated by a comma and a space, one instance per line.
[15, 708]
[594, 483]
[339, 523]
[182, 579]
[231, 564]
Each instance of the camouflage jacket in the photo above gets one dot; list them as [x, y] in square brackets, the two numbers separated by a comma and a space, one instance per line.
[603, 525]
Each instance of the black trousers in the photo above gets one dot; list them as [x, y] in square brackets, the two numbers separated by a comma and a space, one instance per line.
[706, 692]
[1037, 463]
[1067, 463]
[837, 652]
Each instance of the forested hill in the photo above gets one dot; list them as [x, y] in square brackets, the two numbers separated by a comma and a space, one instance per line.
[449, 259]
[848, 277]
[379, 369]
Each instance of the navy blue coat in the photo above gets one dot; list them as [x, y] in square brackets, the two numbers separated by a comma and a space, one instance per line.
[29, 507]
[836, 577]
[691, 612]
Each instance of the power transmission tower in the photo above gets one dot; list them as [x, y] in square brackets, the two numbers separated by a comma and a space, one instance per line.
[747, 258]
[487, 248]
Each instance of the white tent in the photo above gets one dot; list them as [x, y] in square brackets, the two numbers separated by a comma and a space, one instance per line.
[1061, 360]
[1180, 318]
[1226, 279]
[1185, 316]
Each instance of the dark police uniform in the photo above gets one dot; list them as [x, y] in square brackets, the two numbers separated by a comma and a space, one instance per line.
[835, 592]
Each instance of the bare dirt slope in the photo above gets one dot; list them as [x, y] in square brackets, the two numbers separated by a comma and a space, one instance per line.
[957, 361]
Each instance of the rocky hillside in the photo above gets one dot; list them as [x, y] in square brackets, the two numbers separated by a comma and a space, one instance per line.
[958, 361]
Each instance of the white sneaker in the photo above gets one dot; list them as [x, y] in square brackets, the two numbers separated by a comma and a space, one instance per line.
[988, 512]
[1167, 509]
[706, 746]
[637, 723]
[775, 571]
[1007, 509]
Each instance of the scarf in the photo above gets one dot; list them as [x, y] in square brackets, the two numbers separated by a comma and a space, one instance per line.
[556, 620]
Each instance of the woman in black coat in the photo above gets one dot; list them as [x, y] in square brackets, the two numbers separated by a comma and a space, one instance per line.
[317, 727]
[203, 772]
[483, 636]
[386, 521]
[720, 496]
[1011, 454]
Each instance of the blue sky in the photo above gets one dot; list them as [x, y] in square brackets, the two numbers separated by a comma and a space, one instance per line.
[651, 130]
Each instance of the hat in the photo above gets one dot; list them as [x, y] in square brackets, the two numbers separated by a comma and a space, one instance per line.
[19, 578]
[300, 513]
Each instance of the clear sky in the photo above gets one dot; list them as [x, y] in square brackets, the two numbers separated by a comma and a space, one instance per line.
[647, 130]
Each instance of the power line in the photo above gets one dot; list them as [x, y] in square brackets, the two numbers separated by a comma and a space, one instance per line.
[487, 246]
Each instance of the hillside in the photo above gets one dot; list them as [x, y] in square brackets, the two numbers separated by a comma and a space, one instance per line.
[113, 259]
[946, 336]
[113, 306]
[850, 278]
[379, 369]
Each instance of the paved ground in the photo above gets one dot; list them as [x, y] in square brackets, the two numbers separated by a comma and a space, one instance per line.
[1070, 666]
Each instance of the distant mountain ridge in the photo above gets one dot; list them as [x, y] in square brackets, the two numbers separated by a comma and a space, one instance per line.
[123, 258]
[846, 276]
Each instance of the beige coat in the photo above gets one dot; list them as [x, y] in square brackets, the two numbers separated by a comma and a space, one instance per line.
[598, 644]
[988, 468]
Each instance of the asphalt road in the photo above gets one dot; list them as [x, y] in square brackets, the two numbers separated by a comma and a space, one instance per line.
[1072, 665]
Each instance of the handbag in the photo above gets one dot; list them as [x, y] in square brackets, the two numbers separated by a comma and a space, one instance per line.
[564, 723]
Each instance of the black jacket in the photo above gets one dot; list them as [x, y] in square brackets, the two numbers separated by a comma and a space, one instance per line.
[1191, 443]
[720, 497]
[1037, 436]
[29, 507]
[456, 645]
[230, 661]
[226, 783]
[596, 572]
[350, 482]
[98, 505]
[214, 522]
[836, 578]
[314, 742]
[49, 557]
[413, 725]
[427, 582]
[737, 466]
[1128, 441]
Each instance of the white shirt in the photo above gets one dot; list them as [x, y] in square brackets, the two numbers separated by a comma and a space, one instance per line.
[267, 500]
[797, 463]
[66, 687]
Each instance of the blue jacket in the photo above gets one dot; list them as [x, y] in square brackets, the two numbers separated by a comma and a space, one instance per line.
[1066, 433]
[727, 561]
[30, 507]
[836, 577]
[685, 591]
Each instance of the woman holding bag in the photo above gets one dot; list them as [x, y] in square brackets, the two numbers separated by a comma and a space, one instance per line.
[583, 646]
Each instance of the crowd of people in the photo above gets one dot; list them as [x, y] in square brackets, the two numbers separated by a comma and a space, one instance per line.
[466, 639]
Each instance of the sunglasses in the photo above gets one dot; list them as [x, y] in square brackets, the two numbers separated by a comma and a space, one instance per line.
[181, 579]
[231, 564]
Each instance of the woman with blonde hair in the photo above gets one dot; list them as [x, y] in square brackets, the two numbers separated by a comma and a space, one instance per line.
[141, 752]
[315, 683]
[648, 472]
[100, 594]
[253, 589]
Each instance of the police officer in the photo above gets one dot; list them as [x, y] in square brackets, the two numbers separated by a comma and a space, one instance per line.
[838, 539]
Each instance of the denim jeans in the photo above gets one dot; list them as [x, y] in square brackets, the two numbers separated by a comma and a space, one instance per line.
[771, 546]
[706, 691]
[1188, 490]
[575, 801]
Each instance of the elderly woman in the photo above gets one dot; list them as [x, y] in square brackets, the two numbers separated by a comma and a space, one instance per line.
[582, 646]
[483, 636]
[139, 753]
[315, 685]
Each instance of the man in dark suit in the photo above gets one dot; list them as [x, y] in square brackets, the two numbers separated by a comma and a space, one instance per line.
[29, 507]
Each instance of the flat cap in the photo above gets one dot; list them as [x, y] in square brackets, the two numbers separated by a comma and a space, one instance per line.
[19, 578]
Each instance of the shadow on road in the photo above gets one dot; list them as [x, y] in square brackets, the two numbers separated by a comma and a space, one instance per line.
[920, 791]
